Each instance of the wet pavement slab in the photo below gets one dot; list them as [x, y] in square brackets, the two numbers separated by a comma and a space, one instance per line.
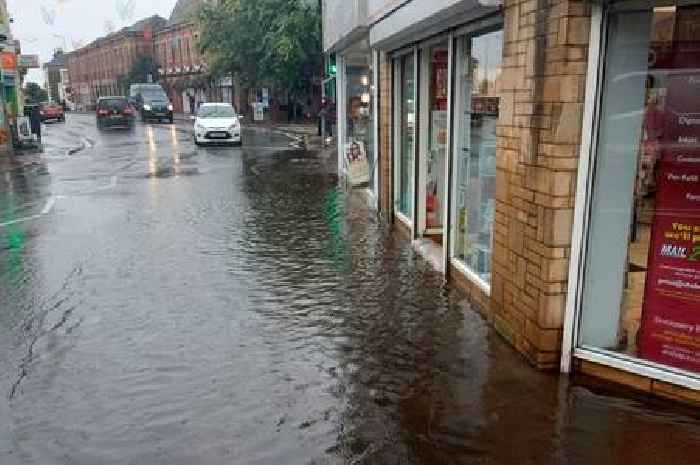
[166, 304]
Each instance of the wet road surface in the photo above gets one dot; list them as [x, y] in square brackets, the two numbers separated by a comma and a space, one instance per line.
[161, 304]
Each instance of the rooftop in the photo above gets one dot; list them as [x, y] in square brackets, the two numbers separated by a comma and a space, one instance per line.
[184, 11]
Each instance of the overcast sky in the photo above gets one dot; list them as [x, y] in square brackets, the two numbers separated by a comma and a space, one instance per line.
[43, 25]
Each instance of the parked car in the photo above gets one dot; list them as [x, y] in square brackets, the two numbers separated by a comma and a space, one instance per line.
[52, 112]
[114, 112]
[151, 101]
[217, 123]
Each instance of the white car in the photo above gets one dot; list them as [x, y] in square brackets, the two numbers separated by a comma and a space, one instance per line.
[217, 123]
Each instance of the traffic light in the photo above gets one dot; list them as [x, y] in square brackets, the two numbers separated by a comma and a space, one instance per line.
[331, 68]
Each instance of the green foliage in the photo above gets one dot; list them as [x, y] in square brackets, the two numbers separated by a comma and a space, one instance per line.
[264, 42]
[34, 93]
[143, 66]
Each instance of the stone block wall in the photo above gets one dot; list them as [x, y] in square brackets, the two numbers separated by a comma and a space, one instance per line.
[539, 134]
[385, 133]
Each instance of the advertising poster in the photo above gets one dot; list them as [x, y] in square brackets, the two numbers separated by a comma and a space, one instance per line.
[670, 331]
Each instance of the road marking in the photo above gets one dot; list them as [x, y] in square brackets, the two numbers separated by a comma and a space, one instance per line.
[49, 205]
[45, 211]
[112, 184]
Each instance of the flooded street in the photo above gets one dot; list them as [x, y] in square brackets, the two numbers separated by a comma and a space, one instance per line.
[166, 304]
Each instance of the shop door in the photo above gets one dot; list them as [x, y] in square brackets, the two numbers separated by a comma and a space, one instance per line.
[433, 140]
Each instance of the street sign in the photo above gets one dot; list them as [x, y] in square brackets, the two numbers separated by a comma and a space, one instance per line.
[28, 61]
[8, 60]
[4, 21]
[258, 111]
[266, 97]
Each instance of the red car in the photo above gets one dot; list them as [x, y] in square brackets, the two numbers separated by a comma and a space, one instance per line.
[52, 111]
[114, 112]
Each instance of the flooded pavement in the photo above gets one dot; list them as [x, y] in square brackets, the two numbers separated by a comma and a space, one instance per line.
[161, 304]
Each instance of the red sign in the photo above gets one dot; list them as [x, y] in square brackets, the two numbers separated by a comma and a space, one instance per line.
[9, 61]
[671, 317]
[670, 331]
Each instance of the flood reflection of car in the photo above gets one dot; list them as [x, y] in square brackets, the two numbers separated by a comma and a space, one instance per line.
[51, 112]
[114, 112]
[217, 123]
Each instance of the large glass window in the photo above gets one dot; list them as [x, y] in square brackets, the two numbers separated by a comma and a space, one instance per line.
[435, 145]
[406, 98]
[641, 290]
[478, 67]
[359, 119]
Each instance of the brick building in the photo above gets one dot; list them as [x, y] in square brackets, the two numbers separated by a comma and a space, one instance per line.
[558, 197]
[182, 69]
[55, 76]
[95, 70]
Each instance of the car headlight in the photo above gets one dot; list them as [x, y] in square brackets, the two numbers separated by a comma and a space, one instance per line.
[170, 107]
[147, 107]
[200, 128]
[235, 126]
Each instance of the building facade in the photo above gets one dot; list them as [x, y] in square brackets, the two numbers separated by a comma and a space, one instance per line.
[182, 69]
[55, 76]
[542, 155]
[99, 68]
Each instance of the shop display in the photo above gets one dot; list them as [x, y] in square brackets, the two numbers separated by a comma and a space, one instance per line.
[645, 210]
[437, 148]
[478, 105]
[670, 332]
[407, 115]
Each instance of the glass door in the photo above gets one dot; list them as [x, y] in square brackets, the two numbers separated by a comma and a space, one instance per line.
[478, 68]
[434, 115]
[405, 96]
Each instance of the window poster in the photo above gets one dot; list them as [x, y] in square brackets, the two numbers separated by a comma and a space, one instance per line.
[671, 316]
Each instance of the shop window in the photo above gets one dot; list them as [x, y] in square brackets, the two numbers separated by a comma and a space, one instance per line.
[641, 288]
[478, 67]
[359, 121]
[434, 145]
[405, 79]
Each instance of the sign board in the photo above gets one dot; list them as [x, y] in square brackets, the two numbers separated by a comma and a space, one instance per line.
[266, 97]
[356, 163]
[4, 21]
[670, 332]
[8, 60]
[28, 61]
[258, 111]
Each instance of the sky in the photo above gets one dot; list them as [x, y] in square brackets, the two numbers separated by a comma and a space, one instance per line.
[44, 25]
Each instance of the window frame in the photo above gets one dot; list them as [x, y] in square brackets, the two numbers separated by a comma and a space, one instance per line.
[580, 247]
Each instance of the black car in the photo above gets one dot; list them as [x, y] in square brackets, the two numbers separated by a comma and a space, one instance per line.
[114, 112]
[152, 102]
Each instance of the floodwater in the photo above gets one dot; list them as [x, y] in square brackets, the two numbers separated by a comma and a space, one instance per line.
[161, 304]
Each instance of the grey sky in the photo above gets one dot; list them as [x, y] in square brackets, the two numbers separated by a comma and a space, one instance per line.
[43, 25]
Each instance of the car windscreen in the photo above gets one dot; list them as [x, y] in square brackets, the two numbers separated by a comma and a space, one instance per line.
[154, 95]
[216, 111]
[113, 104]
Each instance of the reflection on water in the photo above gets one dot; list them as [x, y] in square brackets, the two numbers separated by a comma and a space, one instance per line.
[258, 314]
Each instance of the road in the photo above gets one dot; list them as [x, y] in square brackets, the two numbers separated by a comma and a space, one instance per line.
[166, 304]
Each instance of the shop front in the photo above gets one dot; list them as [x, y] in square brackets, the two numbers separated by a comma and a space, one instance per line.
[634, 290]
[446, 107]
[356, 117]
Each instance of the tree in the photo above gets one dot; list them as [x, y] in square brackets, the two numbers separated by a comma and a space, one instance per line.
[274, 43]
[34, 93]
[143, 67]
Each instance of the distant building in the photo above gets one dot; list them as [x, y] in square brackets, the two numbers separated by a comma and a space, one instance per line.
[56, 76]
[99, 68]
[182, 69]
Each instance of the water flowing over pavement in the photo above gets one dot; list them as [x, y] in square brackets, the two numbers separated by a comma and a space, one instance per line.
[161, 304]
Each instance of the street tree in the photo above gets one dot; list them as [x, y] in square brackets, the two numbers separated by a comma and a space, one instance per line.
[274, 43]
[34, 93]
[143, 69]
